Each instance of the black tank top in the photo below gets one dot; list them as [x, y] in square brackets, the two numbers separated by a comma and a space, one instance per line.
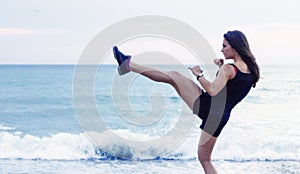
[237, 88]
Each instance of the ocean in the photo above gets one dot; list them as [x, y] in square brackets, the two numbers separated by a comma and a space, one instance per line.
[41, 130]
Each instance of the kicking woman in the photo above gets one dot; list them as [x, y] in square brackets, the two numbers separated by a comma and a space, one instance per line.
[236, 78]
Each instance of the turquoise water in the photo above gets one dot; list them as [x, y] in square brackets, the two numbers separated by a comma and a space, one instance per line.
[40, 133]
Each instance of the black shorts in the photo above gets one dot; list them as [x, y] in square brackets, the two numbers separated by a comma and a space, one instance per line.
[213, 122]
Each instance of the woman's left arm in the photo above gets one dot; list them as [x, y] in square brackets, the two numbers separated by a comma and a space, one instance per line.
[226, 72]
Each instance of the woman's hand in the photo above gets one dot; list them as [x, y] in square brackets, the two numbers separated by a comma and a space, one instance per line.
[196, 70]
[219, 62]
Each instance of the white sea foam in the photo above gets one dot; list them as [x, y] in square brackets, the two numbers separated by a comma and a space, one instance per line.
[66, 146]
[62, 146]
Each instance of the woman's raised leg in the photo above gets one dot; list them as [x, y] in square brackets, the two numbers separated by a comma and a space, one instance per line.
[187, 89]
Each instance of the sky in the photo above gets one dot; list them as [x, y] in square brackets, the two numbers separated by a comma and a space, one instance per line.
[57, 31]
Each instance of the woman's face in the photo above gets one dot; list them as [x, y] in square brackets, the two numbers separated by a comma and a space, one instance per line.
[227, 50]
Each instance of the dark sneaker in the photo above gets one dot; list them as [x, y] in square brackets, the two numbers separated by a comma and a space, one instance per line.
[123, 61]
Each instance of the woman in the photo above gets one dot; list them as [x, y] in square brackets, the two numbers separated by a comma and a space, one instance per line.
[237, 80]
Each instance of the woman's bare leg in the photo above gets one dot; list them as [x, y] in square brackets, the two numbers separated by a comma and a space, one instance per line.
[188, 90]
[205, 148]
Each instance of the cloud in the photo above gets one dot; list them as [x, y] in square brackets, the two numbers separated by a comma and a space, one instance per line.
[14, 31]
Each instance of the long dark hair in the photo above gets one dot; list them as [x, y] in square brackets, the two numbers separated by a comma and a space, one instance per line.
[238, 41]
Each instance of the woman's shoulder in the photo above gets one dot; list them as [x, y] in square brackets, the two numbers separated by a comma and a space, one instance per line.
[227, 67]
[229, 70]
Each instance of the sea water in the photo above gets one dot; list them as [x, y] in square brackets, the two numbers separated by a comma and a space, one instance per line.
[40, 131]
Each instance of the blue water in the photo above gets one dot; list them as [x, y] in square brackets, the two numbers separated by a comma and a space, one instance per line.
[40, 132]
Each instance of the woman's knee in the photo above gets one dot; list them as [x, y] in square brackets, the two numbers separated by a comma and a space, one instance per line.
[203, 159]
[173, 75]
[203, 156]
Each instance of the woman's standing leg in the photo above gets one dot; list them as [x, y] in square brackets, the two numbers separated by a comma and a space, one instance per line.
[187, 89]
[205, 148]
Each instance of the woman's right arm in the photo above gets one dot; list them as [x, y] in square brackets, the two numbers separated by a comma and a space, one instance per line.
[213, 88]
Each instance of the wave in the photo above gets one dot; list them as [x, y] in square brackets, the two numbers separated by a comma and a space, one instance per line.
[67, 146]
